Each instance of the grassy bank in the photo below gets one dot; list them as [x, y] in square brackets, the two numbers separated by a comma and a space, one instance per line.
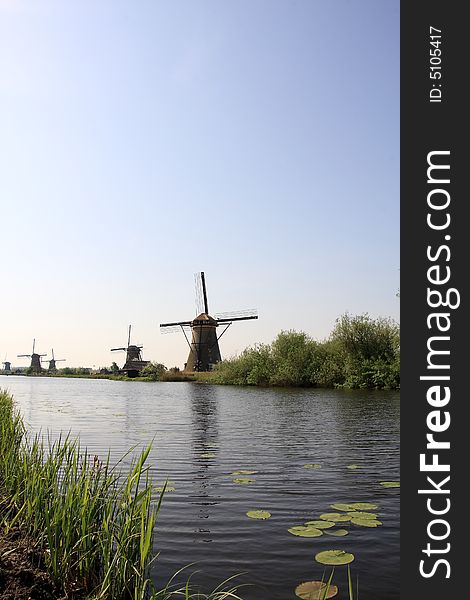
[86, 528]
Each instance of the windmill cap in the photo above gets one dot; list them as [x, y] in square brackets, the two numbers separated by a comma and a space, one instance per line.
[205, 318]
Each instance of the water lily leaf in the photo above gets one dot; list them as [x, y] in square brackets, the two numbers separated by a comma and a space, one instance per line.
[334, 557]
[312, 590]
[244, 480]
[258, 514]
[363, 506]
[207, 455]
[390, 484]
[366, 522]
[362, 515]
[345, 507]
[336, 532]
[244, 472]
[320, 524]
[335, 517]
[301, 531]
[354, 467]
[312, 466]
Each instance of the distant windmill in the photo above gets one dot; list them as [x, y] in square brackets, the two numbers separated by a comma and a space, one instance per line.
[35, 359]
[53, 360]
[6, 364]
[204, 349]
[134, 363]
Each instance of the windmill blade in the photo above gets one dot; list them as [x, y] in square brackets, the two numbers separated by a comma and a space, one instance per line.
[199, 296]
[52, 353]
[236, 314]
[129, 337]
[60, 359]
[174, 328]
[182, 323]
[204, 293]
[230, 320]
[23, 356]
[34, 343]
[115, 349]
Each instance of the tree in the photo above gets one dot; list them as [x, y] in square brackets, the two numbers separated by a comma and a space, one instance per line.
[153, 371]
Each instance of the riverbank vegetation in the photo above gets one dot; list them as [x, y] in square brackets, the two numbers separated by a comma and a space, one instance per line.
[361, 352]
[73, 526]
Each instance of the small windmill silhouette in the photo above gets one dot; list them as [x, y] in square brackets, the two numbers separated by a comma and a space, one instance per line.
[35, 366]
[53, 361]
[134, 363]
[6, 364]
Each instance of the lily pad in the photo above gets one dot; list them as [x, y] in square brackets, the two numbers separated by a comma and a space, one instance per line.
[390, 484]
[362, 515]
[244, 472]
[336, 532]
[207, 455]
[335, 517]
[366, 522]
[345, 507]
[320, 524]
[305, 531]
[258, 514]
[244, 480]
[354, 467]
[312, 466]
[312, 590]
[363, 506]
[334, 557]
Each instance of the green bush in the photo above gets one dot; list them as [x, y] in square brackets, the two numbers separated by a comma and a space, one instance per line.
[361, 352]
[153, 371]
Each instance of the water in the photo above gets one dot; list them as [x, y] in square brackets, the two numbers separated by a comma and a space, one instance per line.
[272, 431]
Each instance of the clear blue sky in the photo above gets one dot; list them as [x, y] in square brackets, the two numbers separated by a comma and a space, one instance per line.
[143, 141]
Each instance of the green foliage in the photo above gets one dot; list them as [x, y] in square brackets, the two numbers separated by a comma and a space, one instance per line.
[94, 524]
[75, 371]
[361, 352]
[153, 371]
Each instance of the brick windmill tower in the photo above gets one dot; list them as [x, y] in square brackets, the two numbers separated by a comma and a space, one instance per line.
[134, 363]
[204, 350]
[35, 366]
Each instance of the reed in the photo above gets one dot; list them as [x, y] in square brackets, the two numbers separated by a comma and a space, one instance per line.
[93, 524]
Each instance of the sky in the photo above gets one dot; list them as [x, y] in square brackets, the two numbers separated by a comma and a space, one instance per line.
[144, 141]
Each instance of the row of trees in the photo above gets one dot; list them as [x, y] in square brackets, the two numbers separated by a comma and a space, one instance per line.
[361, 352]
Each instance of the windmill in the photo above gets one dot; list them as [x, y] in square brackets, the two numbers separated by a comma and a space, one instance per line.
[204, 349]
[35, 359]
[53, 360]
[6, 364]
[134, 363]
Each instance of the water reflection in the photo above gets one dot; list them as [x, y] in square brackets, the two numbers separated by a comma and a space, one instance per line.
[205, 447]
